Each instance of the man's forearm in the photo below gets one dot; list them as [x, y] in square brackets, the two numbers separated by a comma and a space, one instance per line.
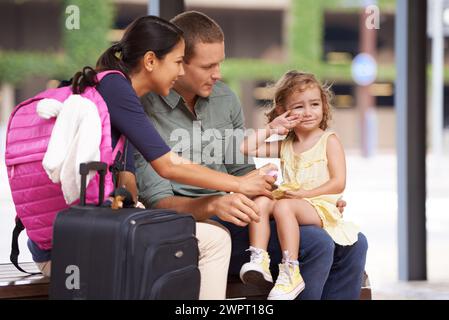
[201, 208]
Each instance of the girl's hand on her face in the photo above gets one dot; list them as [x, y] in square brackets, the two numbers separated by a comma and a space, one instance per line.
[284, 123]
[298, 194]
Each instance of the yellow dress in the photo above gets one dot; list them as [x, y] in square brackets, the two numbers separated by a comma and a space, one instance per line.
[309, 170]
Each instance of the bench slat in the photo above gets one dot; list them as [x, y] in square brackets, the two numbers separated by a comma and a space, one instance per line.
[15, 284]
[9, 271]
[9, 267]
[22, 280]
[237, 290]
[32, 291]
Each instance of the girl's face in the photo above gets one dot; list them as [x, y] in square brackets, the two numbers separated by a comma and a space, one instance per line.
[167, 70]
[308, 105]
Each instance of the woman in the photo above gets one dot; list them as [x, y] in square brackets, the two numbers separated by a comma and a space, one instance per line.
[150, 55]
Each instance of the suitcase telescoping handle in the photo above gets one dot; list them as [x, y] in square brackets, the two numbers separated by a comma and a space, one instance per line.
[85, 168]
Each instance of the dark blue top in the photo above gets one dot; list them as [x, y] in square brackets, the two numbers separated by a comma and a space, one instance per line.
[127, 118]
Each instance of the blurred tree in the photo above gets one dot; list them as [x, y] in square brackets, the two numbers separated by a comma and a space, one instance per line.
[82, 47]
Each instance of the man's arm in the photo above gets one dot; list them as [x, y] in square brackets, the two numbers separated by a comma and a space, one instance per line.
[151, 186]
[233, 151]
[235, 208]
[198, 207]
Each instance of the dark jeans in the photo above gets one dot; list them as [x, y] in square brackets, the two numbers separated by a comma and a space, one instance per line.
[330, 271]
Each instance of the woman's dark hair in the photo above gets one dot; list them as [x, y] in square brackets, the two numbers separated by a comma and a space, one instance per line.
[149, 33]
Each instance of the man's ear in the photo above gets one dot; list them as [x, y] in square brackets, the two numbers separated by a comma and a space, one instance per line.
[149, 61]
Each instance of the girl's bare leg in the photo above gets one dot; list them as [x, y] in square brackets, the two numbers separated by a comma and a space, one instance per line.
[289, 215]
[259, 232]
[257, 270]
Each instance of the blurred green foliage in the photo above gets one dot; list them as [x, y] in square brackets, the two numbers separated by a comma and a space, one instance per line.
[16, 66]
[305, 34]
[354, 5]
[84, 46]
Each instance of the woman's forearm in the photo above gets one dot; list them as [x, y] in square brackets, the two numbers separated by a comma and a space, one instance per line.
[203, 177]
[173, 167]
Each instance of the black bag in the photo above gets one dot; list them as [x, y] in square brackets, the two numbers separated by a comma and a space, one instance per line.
[100, 253]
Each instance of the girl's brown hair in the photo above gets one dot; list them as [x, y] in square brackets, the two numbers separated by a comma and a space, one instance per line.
[296, 81]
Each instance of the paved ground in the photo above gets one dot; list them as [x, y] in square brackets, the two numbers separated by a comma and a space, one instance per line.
[372, 203]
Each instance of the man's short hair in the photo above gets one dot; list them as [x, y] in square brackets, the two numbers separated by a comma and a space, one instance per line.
[197, 27]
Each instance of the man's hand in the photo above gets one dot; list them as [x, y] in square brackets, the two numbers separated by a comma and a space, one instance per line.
[341, 204]
[235, 208]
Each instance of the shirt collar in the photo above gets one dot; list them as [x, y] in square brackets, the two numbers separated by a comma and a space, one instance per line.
[172, 99]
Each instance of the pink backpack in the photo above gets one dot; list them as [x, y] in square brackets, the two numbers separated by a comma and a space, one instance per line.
[37, 199]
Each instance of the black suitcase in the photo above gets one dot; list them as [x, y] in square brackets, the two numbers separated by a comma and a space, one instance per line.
[100, 253]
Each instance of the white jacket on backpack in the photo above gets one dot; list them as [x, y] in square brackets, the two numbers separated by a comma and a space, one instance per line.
[75, 139]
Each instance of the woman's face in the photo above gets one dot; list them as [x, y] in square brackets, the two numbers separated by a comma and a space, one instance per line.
[167, 70]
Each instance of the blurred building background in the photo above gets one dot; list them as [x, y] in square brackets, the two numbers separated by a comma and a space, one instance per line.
[253, 29]
[259, 30]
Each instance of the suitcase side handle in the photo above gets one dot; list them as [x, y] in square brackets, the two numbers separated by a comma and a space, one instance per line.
[85, 168]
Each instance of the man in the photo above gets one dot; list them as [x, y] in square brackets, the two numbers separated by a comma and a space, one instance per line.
[200, 103]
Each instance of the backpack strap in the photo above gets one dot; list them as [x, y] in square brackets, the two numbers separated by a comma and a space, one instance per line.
[119, 146]
[14, 256]
[103, 74]
[118, 159]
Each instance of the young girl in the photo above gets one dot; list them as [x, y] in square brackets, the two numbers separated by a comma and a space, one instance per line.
[313, 167]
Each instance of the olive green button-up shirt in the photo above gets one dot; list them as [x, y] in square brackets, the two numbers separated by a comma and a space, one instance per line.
[211, 136]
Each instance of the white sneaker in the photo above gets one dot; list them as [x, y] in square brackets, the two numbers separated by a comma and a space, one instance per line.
[257, 271]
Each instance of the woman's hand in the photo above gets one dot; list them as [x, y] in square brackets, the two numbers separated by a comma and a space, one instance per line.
[256, 184]
[284, 123]
[298, 194]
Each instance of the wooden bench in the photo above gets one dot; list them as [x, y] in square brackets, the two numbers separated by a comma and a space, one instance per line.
[17, 285]
[237, 290]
